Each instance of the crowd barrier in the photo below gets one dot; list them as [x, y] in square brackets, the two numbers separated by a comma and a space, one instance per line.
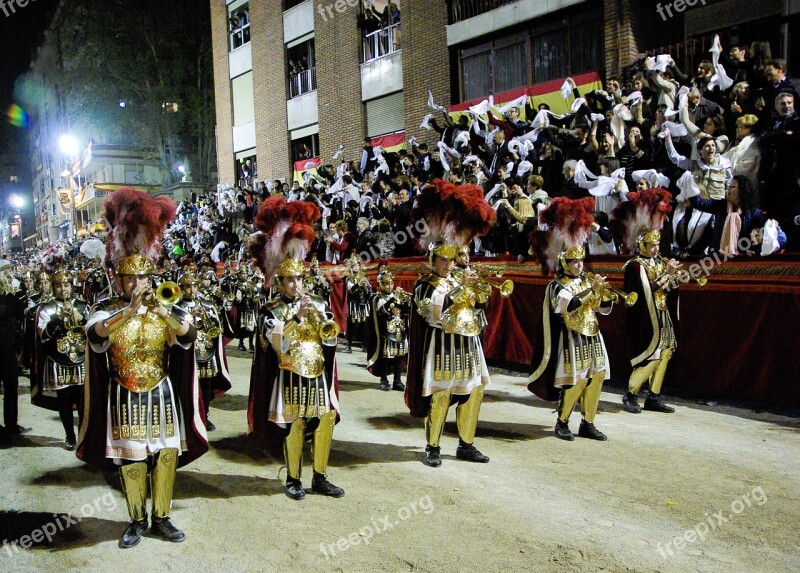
[739, 333]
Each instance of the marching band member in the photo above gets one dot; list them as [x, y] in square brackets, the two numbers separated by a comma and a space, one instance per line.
[387, 337]
[142, 400]
[446, 363]
[570, 359]
[293, 382]
[61, 354]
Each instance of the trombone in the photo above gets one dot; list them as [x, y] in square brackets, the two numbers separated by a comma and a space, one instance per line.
[615, 294]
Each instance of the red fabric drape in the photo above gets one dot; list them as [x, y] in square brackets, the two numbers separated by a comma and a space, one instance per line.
[739, 338]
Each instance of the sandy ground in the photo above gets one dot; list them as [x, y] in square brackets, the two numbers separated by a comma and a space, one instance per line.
[706, 489]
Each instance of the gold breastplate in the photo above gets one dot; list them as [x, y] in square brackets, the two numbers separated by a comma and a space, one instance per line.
[138, 352]
[654, 271]
[460, 317]
[304, 356]
[584, 318]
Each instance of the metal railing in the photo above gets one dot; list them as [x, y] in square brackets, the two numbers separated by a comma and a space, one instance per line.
[458, 10]
[381, 42]
[239, 37]
[302, 82]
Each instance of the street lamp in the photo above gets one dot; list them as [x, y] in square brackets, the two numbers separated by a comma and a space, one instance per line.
[16, 201]
[69, 145]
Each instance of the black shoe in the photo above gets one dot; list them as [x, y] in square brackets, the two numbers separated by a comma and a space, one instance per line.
[70, 444]
[163, 528]
[432, 457]
[19, 430]
[133, 535]
[294, 489]
[210, 427]
[321, 485]
[385, 385]
[563, 432]
[587, 430]
[470, 453]
[398, 385]
[630, 403]
[241, 347]
[348, 349]
[654, 404]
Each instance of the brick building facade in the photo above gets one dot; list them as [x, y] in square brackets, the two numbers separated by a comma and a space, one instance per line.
[351, 87]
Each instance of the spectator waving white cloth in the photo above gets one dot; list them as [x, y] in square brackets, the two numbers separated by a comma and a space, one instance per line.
[339, 152]
[621, 115]
[432, 104]
[608, 191]
[653, 178]
[687, 186]
[566, 89]
[659, 63]
[444, 151]
[674, 129]
[426, 122]
[634, 98]
[481, 108]
[769, 242]
[518, 103]
[720, 77]
[461, 139]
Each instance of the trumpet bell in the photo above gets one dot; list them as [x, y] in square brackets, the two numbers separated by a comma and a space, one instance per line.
[505, 288]
[168, 293]
[630, 299]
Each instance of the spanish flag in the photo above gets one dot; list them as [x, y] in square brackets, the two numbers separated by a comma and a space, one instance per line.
[392, 142]
[547, 92]
[305, 166]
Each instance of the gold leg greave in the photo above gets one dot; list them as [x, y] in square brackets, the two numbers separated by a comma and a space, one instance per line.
[467, 415]
[134, 486]
[591, 396]
[569, 398]
[321, 444]
[166, 466]
[640, 375]
[293, 448]
[660, 372]
[437, 414]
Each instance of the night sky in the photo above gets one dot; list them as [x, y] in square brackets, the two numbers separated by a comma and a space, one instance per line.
[20, 34]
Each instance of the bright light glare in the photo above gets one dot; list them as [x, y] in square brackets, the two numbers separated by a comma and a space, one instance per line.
[181, 168]
[69, 145]
[17, 201]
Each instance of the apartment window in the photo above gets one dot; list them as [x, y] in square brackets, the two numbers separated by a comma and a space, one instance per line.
[495, 66]
[302, 69]
[238, 24]
[380, 29]
[244, 110]
[287, 4]
[305, 147]
[563, 44]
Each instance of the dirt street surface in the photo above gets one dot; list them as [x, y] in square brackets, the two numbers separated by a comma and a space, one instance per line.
[707, 489]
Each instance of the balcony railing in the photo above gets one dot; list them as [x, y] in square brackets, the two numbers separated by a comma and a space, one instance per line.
[239, 37]
[381, 42]
[458, 10]
[302, 82]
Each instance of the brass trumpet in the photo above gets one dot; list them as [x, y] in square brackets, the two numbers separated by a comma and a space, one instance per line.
[685, 276]
[504, 288]
[167, 294]
[615, 294]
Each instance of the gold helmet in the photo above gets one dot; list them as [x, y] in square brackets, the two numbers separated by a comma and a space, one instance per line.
[61, 276]
[575, 253]
[189, 278]
[647, 237]
[385, 276]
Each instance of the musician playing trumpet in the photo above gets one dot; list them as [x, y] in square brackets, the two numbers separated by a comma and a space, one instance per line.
[61, 354]
[572, 352]
[387, 338]
[653, 323]
[293, 382]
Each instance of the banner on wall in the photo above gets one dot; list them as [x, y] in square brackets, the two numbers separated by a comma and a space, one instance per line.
[393, 142]
[546, 92]
[305, 166]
